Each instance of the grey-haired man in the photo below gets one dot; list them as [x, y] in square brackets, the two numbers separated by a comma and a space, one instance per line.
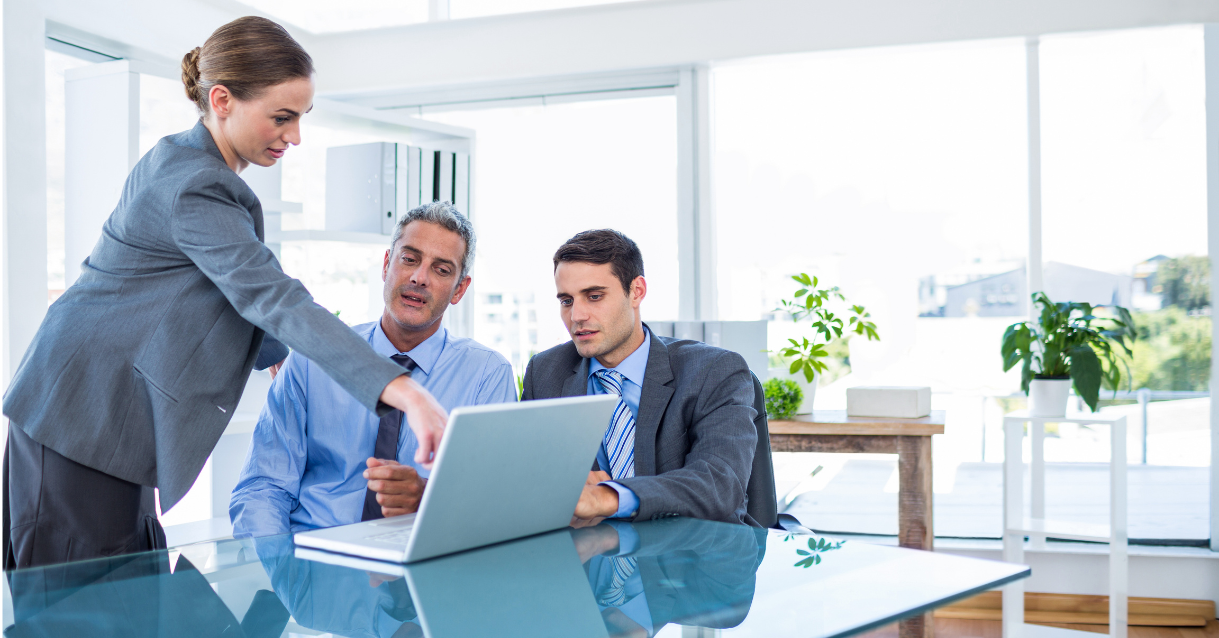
[320, 459]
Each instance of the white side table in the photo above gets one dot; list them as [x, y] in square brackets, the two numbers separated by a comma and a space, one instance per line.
[1037, 527]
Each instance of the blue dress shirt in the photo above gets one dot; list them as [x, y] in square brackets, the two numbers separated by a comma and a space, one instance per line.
[307, 458]
[601, 576]
[633, 368]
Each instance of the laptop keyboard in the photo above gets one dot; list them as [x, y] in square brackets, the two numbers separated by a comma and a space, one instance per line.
[397, 537]
[399, 529]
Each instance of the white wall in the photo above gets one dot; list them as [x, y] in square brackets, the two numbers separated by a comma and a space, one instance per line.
[25, 179]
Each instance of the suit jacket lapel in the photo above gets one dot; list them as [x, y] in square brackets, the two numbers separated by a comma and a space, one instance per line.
[577, 384]
[652, 404]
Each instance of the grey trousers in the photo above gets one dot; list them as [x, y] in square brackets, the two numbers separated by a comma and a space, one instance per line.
[57, 510]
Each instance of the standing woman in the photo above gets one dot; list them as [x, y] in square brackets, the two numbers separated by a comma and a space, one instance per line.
[136, 370]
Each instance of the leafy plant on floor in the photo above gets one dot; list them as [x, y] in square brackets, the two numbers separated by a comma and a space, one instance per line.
[1064, 344]
[811, 303]
[783, 398]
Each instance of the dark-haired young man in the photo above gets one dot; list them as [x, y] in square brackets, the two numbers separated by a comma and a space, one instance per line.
[682, 440]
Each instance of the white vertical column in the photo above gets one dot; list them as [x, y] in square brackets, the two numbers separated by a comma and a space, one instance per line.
[1211, 56]
[1119, 568]
[696, 237]
[102, 120]
[1037, 479]
[1033, 79]
[23, 39]
[1013, 518]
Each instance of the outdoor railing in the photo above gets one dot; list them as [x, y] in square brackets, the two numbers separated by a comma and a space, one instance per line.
[1142, 397]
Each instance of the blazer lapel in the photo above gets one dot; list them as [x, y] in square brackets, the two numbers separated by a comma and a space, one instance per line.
[652, 404]
[577, 384]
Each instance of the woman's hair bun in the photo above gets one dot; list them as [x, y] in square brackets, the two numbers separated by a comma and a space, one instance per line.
[190, 74]
[244, 56]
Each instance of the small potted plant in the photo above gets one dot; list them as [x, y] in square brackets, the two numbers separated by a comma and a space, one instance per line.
[783, 398]
[1064, 348]
[804, 357]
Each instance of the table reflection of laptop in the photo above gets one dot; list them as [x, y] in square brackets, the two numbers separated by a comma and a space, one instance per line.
[537, 455]
[532, 587]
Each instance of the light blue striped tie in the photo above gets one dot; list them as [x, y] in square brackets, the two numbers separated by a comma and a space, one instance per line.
[620, 437]
[615, 594]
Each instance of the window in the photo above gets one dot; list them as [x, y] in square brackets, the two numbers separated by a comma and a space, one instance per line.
[1124, 208]
[544, 173]
[899, 175]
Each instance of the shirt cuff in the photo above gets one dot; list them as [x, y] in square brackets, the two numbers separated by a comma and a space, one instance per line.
[628, 503]
[628, 538]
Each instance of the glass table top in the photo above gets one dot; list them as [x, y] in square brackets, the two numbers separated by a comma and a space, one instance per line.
[616, 579]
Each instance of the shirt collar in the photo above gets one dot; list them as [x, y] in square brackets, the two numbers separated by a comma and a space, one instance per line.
[634, 366]
[424, 355]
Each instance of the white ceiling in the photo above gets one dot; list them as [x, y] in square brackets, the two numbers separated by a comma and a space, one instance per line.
[598, 40]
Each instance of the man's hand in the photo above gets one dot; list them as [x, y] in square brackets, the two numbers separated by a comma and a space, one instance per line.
[274, 370]
[597, 476]
[425, 416]
[398, 487]
[591, 541]
[375, 580]
[596, 503]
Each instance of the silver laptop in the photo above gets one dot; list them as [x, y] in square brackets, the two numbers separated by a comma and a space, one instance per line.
[502, 472]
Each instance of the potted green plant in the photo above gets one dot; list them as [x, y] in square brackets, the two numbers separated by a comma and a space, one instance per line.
[783, 398]
[805, 357]
[1068, 345]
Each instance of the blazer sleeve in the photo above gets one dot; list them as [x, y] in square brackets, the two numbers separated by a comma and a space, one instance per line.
[215, 231]
[711, 484]
[271, 353]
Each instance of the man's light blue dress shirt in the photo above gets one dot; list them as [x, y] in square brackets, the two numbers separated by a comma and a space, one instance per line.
[633, 368]
[307, 458]
[601, 578]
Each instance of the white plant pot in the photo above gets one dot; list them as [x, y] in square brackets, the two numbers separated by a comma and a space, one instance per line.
[1048, 397]
[809, 389]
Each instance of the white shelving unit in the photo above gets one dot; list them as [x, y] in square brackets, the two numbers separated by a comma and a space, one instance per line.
[1037, 527]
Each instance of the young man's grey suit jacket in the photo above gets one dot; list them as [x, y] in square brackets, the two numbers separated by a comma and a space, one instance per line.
[136, 369]
[694, 434]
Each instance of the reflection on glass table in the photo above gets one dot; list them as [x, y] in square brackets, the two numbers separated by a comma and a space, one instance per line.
[616, 579]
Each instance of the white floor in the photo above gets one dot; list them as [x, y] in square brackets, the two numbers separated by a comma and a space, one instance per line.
[858, 494]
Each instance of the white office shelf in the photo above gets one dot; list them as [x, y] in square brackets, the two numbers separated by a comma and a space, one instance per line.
[1071, 417]
[350, 237]
[1068, 530]
[280, 206]
[1037, 527]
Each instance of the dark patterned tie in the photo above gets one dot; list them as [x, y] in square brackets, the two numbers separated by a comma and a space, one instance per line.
[387, 444]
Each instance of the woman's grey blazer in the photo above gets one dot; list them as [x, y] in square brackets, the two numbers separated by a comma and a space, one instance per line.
[137, 368]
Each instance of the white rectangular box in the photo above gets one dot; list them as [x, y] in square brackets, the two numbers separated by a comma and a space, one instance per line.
[899, 402]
